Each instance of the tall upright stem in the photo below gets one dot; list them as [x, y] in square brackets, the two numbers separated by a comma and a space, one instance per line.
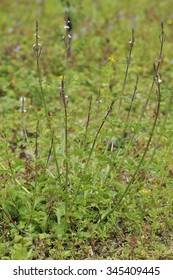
[162, 40]
[37, 47]
[131, 42]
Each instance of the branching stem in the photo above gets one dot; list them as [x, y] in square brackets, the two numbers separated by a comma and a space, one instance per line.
[158, 82]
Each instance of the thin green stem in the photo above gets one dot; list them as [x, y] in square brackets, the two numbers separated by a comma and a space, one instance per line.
[36, 155]
[83, 142]
[67, 157]
[37, 50]
[9, 218]
[163, 128]
[64, 100]
[162, 41]
[64, 96]
[131, 103]
[129, 57]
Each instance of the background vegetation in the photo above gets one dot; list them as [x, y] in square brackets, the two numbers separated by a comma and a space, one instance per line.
[86, 129]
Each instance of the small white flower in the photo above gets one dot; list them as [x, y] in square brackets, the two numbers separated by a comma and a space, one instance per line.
[22, 99]
[22, 110]
[66, 27]
[36, 35]
[23, 133]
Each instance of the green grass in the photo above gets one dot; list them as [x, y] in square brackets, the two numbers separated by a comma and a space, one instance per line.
[86, 130]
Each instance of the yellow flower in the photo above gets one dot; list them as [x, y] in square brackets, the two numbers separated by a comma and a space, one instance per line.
[169, 21]
[144, 191]
[60, 77]
[112, 58]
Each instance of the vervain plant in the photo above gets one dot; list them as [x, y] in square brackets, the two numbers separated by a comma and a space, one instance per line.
[157, 68]
[158, 82]
[37, 47]
[64, 99]
[76, 178]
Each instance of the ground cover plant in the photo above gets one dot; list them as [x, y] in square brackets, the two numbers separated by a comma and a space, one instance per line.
[86, 130]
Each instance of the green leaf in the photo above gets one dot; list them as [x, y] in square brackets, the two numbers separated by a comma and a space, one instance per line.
[19, 252]
[60, 211]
